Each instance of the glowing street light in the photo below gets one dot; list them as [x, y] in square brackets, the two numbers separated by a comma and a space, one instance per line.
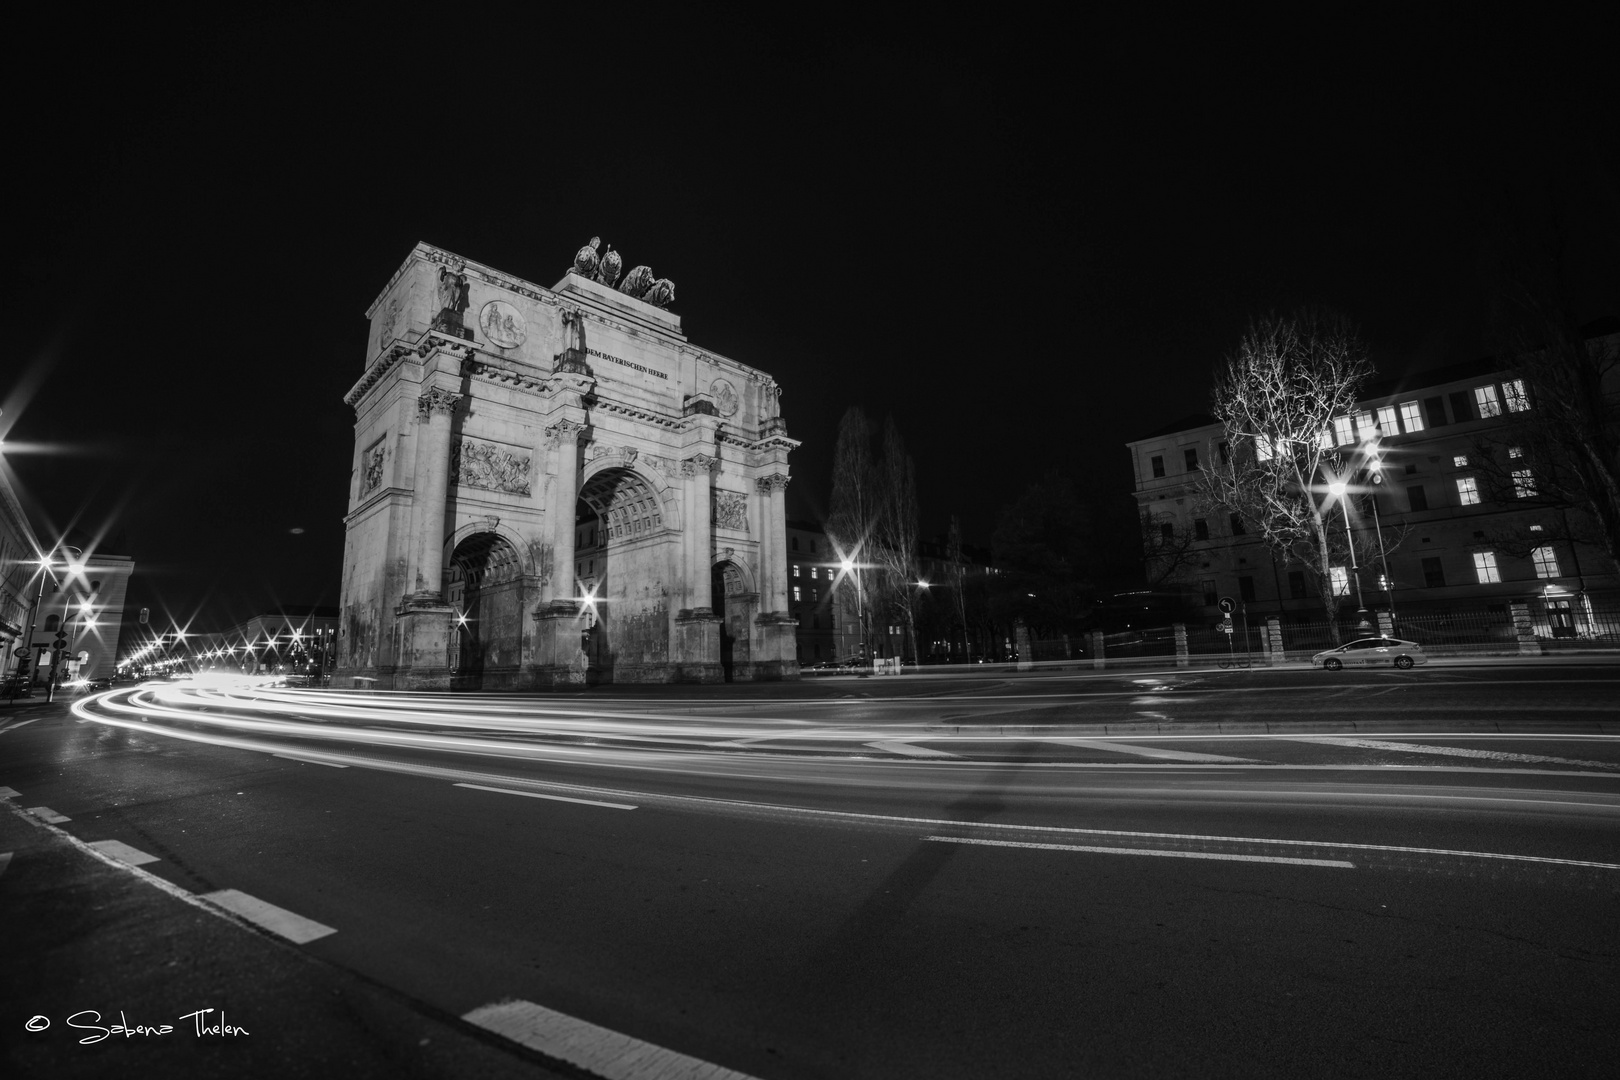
[1339, 489]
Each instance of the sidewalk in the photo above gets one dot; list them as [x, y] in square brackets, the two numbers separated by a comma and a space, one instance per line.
[87, 935]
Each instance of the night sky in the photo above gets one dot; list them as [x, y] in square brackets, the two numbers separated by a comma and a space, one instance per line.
[1029, 243]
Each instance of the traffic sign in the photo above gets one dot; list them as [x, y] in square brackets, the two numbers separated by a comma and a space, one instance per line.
[1226, 628]
[1227, 605]
[21, 650]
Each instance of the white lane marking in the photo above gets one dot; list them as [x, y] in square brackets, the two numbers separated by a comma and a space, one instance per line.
[20, 723]
[294, 928]
[311, 761]
[9, 793]
[45, 813]
[1098, 849]
[598, 1050]
[5, 860]
[1160, 752]
[123, 852]
[894, 746]
[553, 798]
[1456, 751]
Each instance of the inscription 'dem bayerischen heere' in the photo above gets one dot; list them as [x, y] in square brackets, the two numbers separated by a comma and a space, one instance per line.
[627, 363]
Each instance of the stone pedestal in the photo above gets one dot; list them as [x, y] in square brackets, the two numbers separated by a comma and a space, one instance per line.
[696, 648]
[776, 651]
[1183, 657]
[427, 633]
[559, 647]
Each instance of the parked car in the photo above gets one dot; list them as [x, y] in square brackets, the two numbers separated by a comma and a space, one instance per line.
[1371, 652]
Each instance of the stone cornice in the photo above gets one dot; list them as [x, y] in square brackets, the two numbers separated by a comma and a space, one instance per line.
[489, 275]
[401, 351]
[369, 503]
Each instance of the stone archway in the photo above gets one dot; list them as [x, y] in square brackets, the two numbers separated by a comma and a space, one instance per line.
[622, 550]
[735, 605]
[486, 593]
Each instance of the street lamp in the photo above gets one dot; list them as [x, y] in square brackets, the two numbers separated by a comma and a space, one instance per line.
[1339, 489]
[851, 568]
[1374, 461]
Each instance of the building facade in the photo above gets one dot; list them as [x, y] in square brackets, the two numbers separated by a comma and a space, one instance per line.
[554, 486]
[1449, 491]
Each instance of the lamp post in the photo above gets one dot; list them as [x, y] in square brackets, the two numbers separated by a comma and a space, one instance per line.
[1339, 489]
[852, 569]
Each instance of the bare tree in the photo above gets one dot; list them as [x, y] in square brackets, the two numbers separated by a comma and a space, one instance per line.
[1168, 551]
[956, 566]
[855, 505]
[896, 548]
[1278, 397]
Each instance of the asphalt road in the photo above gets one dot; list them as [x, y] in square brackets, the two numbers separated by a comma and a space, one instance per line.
[1182, 873]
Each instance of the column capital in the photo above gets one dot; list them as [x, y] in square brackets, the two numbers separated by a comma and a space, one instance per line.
[435, 400]
[556, 433]
[700, 463]
[773, 482]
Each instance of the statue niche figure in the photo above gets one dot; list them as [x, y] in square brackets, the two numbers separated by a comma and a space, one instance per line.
[452, 301]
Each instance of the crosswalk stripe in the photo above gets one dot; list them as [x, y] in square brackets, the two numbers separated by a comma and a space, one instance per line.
[45, 813]
[1455, 751]
[1160, 752]
[123, 852]
[294, 928]
[894, 746]
[1101, 850]
[598, 1050]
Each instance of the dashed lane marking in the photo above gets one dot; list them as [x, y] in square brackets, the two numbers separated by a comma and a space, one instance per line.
[45, 813]
[598, 1050]
[311, 761]
[1457, 751]
[123, 852]
[20, 723]
[1159, 752]
[294, 928]
[1100, 850]
[894, 746]
[9, 793]
[553, 798]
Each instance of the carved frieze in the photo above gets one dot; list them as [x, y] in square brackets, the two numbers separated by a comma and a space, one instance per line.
[372, 464]
[437, 401]
[478, 464]
[731, 510]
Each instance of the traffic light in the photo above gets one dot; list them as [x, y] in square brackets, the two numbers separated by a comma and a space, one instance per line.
[145, 614]
[60, 643]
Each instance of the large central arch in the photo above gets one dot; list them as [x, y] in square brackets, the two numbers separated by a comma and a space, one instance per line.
[485, 590]
[626, 554]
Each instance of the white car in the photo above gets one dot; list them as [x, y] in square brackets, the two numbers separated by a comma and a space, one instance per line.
[1370, 652]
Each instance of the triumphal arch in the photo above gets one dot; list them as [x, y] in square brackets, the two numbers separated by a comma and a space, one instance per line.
[554, 486]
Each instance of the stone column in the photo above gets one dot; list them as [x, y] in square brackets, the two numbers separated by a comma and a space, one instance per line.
[1274, 641]
[1026, 654]
[1183, 659]
[773, 543]
[564, 436]
[1386, 624]
[696, 472]
[1098, 656]
[433, 410]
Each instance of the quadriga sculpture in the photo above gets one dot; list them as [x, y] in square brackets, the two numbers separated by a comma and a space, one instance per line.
[608, 273]
[637, 282]
[662, 293]
[587, 259]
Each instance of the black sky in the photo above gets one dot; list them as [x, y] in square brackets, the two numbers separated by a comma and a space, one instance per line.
[1028, 241]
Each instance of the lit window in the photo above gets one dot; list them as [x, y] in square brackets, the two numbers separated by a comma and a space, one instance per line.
[1515, 452]
[1388, 424]
[1524, 484]
[1340, 577]
[1485, 567]
[1461, 461]
[1467, 491]
[1365, 427]
[1411, 416]
[1546, 562]
[813, 571]
[796, 595]
[1535, 528]
[1326, 441]
[795, 569]
[1517, 399]
[1263, 450]
[1489, 404]
[1343, 433]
